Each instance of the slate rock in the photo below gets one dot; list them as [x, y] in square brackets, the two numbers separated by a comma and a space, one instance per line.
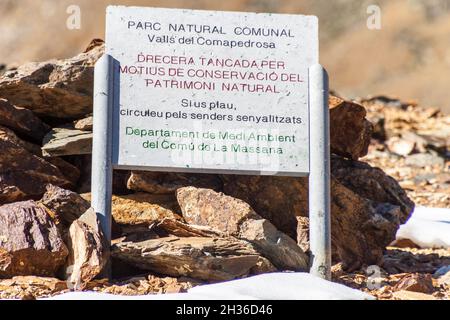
[204, 258]
[350, 131]
[367, 208]
[24, 175]
[66, 206]
[236, 218]
[22, 121]
[67, 141]
[30, 243]
[85, 124]
[88, 250]
[55, 88]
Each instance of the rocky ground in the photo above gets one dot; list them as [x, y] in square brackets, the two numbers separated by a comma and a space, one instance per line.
[174, 231]
[411, 144]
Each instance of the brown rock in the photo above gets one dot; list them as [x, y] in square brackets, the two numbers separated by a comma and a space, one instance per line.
[150, 285]
[410, 295]
[142, 208]
[56, 88]
[23, 175]
[236, 218]
[350, 131]
[303, 233]
[211, 259]
[416, 282]
[371, 183]
[180, 229]
[22, 121]
[277, 199]
[69, 171]
[88, 250]
[30, 243]
[367, 208]
[404, 243]
[66, 206]
[85, 124]
[31, 287]
[9, 135]
[167, 183]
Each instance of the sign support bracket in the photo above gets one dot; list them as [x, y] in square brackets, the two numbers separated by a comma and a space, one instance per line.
[319, 176]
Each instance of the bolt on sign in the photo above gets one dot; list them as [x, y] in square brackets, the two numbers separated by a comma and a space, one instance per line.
[210, 91]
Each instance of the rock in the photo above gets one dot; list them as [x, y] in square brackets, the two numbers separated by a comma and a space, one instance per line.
[142, 208]
[180, 229]
[373, 184]
[168, 183]
[67, 141]
[85, 124]
[22, 121]
[211, 259]
[400, 146]
[55, 88]
[30, 243]
[9, 135]
[350, 131]
[442, 271]
[31, 287]
[410, 295]
[150, 285]
[236, 218]
[23, 175]
[421, 160]
[367, 208]
[66, 206]
[416, 282]
[277, 199]
[303, 233]
[88, 250]
[69, 171]
[378, 122]
[404, 243]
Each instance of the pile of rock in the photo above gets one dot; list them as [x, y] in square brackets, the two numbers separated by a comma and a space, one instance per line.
[412, 144]
[200, 226]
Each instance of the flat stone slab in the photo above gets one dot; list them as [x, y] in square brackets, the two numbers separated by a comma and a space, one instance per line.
[66, 142]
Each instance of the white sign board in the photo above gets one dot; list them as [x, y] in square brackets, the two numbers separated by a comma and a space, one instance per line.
[211, 91]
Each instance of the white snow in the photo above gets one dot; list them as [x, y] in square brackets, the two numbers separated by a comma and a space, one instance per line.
[271, 286]
[427, 227]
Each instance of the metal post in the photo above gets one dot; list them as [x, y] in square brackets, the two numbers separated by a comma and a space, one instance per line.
[101, 184]
[319, 177]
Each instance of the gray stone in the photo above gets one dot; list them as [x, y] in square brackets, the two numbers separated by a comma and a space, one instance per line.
[67, 141]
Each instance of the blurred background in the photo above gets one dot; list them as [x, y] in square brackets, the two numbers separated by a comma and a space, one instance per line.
[409, 57]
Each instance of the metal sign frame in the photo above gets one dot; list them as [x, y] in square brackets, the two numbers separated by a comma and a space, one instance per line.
[105, 94]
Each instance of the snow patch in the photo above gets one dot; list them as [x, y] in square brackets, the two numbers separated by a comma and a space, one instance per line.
[271, 286]
[427, 227]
